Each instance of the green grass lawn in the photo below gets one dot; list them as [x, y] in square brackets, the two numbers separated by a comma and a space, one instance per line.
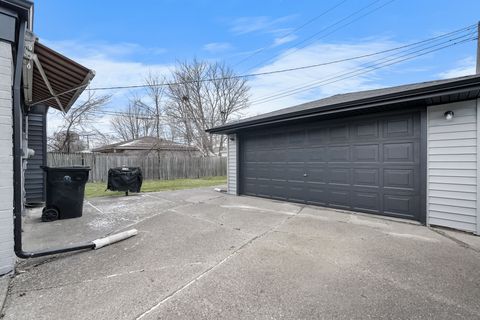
[97, 189]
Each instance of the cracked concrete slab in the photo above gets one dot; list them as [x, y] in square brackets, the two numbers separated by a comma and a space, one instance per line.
[4, 284]
[205, 255]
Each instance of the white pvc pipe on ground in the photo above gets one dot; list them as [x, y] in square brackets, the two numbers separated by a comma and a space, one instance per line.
[102, 242]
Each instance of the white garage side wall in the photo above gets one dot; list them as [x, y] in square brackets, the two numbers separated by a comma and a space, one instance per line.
[7, 257]
[232, 170]
[452, 168]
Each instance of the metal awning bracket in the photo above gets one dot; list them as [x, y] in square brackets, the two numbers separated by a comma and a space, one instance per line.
[28, 54]
[47, 83]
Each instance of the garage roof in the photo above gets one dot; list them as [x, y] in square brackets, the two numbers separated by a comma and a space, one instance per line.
[429, 93]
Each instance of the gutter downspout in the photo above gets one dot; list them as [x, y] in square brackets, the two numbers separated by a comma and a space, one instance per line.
[17, 156]
[17, 170]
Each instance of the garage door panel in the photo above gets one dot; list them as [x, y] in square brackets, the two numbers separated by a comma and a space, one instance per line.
[339, 133]
[250, 156]
[369, 165]
[317, 136]
[250, 187]
[366, 177]
[339, 176]
[263, 188]
[293, 172]
[279, 190]
[365, 130]
[336, 198]
[296, 138]
[317, 195]
[263, 156]
[279, 139]
[296, 191]
[365, 153]
[316, 154]
[399, 178]
[249, 171]
[261, 142]
[262, 171]
[398, 152]
[317, 174]
[366, 201]
[399, 204]
[277, 172]
[296, 155]
[279, 155]
[398, 127]
[338, 153]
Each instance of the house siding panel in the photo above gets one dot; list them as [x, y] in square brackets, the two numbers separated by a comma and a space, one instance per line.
[7, 257]
[34, 175]
[232, 153]
[452, 166]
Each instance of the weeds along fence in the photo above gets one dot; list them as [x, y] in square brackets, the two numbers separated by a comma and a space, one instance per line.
[153, 166]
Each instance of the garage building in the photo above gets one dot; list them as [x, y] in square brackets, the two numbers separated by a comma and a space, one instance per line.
[406, 152]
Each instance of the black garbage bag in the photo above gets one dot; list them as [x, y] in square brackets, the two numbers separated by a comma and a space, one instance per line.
[125, 179]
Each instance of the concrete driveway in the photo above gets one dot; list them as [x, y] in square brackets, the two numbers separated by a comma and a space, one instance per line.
[206, 255]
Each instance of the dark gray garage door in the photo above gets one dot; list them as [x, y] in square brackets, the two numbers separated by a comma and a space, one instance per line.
[369, 164]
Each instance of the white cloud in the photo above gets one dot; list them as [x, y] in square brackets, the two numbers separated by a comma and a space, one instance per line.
[282, 40]
[262, 24]
[113, 66]
[463, 67]
[268, 85]
[86, 48]
[216, 47]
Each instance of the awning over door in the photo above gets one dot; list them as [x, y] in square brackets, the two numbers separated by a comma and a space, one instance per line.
[51, 78]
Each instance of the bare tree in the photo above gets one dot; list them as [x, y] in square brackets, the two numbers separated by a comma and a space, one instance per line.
[133, 123]
[155, 93]
[78, 119]
[204, 95]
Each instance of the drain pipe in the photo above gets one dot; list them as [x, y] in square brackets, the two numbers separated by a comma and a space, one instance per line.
[17, 171]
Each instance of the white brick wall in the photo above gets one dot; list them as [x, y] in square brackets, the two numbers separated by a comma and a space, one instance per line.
[7, 256]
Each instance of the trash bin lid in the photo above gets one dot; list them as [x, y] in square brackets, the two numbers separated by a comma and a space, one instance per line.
[71, 168]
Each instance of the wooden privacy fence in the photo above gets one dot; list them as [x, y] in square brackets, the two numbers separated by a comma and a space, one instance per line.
[153, 167]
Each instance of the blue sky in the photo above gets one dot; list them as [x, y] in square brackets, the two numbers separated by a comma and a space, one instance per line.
[124, 40]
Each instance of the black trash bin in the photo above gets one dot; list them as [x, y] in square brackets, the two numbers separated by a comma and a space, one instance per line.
[65, 192]
[125, 179]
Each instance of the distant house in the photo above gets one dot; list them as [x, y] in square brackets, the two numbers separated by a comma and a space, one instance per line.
[145, 145]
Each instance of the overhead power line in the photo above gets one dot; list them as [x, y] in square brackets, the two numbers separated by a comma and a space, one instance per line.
[324, 82]
[349, 75]
[249, 75]
[299, 45]
[397, 55]
[293, 31]
[411, 45]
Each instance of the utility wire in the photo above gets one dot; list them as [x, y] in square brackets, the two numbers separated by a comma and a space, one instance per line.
[295, 47]
[317, 83]
[249, 75]
[293, 31]
[323, 83]
[261, 73]
[402, 54]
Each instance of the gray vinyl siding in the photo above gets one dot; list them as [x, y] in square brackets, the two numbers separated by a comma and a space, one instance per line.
[6, 158]
[232, 168]
[452, 166]
[34, 175]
